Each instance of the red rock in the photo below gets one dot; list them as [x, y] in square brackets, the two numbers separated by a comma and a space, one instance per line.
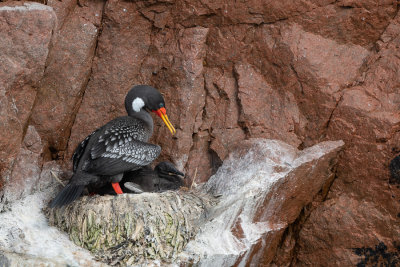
[367, 119]
[26, 168]
[331, 66]
[317, 63]
[264, 112]
[349, 21]
[221, 99]
[67, 73]
[246, 12]
[338, 216]
[26, 30]
[62, 10]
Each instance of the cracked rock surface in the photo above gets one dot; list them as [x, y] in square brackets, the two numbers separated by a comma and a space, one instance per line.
[299, 71]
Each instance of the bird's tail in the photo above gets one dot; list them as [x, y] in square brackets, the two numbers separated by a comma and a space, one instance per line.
[68, 194]
[74, 189]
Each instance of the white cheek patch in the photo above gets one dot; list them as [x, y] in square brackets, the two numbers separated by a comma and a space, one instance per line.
[137, 104]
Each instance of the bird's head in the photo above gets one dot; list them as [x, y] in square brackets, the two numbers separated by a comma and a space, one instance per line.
[147, 98]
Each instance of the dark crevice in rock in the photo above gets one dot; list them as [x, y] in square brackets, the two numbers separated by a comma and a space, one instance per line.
[346, 7]
[55, 155]
[216, 162]
[301, 146]
[241, 123]
[288, 245]
[327, 125]
[318, 200]
[207, 96]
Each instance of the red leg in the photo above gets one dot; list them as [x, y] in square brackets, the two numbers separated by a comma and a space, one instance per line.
[117, 188]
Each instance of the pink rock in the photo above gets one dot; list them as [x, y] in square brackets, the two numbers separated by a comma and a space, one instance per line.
[299, 71]
[26, 30]
[26, 168]
[315, 243]
[319, 65]
[265, 112]
[67, 74]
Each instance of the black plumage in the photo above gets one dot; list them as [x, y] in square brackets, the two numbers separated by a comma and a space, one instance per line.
[169, 178]
[164, 177]
[118, 146]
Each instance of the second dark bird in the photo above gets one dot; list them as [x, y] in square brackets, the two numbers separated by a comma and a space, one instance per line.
[164, 177]
[118, 146]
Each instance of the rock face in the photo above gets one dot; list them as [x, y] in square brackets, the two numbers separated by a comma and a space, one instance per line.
[25, 35]
[367, 118]
[298, 71]
[67, 72]
[27, 168]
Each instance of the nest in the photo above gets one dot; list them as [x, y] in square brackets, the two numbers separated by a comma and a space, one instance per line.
[133, 228]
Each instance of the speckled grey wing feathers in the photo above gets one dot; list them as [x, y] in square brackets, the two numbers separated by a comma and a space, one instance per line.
[120, 148]
[111, 160]
[79, 150]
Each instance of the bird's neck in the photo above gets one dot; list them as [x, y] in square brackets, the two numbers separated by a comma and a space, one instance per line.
[144, 116]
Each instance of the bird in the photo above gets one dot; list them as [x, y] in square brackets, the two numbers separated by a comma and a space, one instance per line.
[163, 177]
[118, 146]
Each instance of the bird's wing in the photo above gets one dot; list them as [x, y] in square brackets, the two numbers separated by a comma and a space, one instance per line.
[80, 149]
[117, 151]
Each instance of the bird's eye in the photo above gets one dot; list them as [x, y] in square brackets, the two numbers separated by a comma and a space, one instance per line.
[161, 105]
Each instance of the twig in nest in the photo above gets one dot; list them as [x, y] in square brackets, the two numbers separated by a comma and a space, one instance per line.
[57, 179]
[194, 179]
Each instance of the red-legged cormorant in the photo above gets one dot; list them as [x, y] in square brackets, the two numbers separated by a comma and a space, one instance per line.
[118, 146]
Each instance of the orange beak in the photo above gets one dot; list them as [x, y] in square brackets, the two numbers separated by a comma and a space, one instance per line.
[162, 113]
